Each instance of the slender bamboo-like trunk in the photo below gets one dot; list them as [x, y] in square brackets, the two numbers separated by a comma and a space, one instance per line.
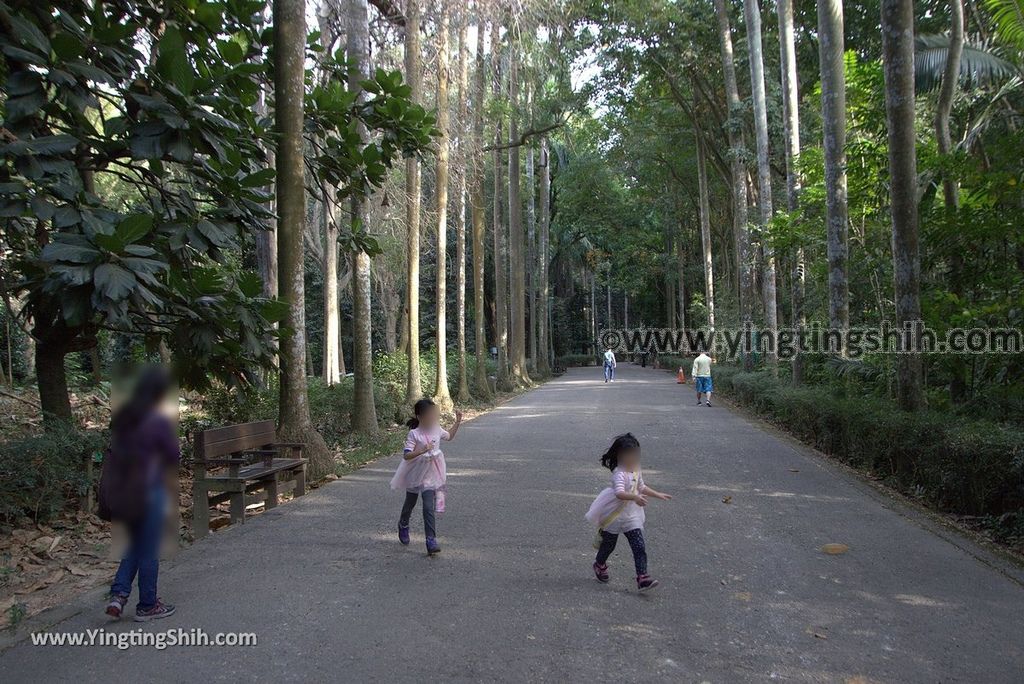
[442, 395]
[500, 268]
[833, 114]
[791, 121]
[543, 364]
[898, 61]
[517, 279]
[625, 310]
[480, 383]
[791, 117]
[364, 413]
[752, 14]
[462, 155]
[414, 387]
[744, 253]
[705, 232]
[294, 422]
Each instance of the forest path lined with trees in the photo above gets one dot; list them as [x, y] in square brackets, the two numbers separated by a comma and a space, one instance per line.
[747, 593]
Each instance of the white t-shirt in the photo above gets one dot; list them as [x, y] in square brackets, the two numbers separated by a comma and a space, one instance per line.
[609, 357]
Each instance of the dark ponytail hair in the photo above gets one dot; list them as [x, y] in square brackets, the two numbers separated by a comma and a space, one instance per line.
[419, 409]
[626, 442]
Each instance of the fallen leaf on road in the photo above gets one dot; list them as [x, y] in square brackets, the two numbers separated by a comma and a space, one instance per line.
[794, 470]
[835, 549]
[742, 596]
[726, 499]
[816, 635]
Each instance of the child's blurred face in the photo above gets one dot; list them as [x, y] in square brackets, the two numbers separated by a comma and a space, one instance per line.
[430, 417]
[629, 459]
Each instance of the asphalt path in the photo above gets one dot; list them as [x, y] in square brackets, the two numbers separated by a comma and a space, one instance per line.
[746, 594]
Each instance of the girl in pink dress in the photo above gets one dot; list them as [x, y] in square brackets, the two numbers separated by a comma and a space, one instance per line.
[422, 472]
[619, 509]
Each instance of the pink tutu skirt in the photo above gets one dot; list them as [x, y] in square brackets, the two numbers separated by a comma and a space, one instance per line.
[421, 473]
[606, 503]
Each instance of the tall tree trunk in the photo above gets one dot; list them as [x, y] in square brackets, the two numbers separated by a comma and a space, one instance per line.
[744, 253]
[414, 387]
[791, 117]
[442, 396]
[500, 269]
[950, 187]
[517, 279]
[625, 310]
[480, 384]
[608, 303]
[294, 422]
[752, 13]
[364, 412]
[898, 61]
[52, 380]
[833, 114]
[531, 256]
[680, 280]
[705, 231]
[332, 316]
[326, 212]
[462, 155]
[543, 365]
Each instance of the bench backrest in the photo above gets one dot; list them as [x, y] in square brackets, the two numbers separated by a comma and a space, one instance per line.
[233, 438]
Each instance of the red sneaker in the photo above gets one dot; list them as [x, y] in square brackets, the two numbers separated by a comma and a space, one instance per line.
[601, 572]
[160, 610]
[116, 606]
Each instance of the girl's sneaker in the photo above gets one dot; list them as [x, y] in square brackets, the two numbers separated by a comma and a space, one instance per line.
[403, 534]
[432, 546]
[601, 572]
[645, 582]
[160, 610]
[116, 606]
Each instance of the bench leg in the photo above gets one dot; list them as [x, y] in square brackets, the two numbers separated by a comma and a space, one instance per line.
[200, 510]
[300, 481]
[271, 492]
[237, 507]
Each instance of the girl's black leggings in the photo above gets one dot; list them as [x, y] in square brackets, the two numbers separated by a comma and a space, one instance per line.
[429, 504]
[636, 543]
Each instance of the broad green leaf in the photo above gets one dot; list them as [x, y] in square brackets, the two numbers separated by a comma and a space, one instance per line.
[113, 281]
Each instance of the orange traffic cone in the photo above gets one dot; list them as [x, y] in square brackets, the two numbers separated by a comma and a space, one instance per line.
[680, 377]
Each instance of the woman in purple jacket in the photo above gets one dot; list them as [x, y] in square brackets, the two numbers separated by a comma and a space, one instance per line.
[144, 454]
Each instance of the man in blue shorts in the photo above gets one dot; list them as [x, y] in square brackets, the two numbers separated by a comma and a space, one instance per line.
[701, 373]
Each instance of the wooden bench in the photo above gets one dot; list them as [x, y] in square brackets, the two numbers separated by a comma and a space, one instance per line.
[248, 466]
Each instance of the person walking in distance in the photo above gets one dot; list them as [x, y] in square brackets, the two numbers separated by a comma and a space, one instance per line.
[701, 373]
[609, 365]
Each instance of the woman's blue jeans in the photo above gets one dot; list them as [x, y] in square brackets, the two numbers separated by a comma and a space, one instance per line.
[609, 372]
[142, 557]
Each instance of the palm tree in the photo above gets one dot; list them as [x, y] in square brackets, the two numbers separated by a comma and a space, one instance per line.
[441, 394]
[898, 60]
[413, 387]
[364, 413]
[752, 14]
[833, 115]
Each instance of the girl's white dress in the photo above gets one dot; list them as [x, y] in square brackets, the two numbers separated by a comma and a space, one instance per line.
[632, 516]
[426, 471]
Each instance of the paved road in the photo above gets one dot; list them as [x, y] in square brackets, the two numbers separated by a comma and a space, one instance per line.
[746, 593]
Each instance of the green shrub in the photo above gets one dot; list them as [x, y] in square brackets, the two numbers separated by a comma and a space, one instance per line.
[40, 476]
[972, 467]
